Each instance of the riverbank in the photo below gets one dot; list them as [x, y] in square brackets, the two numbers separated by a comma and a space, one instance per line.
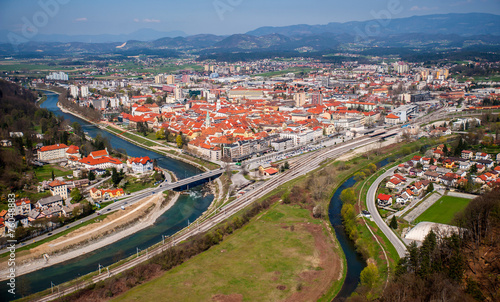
[218, 191]
[85, 240]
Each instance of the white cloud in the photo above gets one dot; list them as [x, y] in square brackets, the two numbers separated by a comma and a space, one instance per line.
[81, 20]
[137, 20]
[151, 21]
[423, 8]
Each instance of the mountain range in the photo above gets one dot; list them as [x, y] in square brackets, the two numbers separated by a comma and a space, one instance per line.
[446, 31]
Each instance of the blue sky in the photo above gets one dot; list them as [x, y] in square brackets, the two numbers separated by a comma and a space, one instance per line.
[74, 17]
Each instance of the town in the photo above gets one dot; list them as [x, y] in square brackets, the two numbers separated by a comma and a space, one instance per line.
[349, 161]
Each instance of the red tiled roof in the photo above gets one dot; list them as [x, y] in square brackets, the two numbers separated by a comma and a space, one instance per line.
[72, 149]
[384, 196]
[271, 171]
[53, 147]
[57, 183]
[99, 153]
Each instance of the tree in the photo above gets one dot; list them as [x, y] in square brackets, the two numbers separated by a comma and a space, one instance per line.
[160, 134]
[115, 177]
[348, 196]
[53, 176]
[91, 175]
[473, 169]
[369, 275]
[359, 176]
[394, 223]
[287, 165]
[430, 188]
[76, 195]
[179, 141]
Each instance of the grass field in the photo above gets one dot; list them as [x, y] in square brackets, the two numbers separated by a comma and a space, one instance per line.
[443, 210]
[249, 265]
[45, 172]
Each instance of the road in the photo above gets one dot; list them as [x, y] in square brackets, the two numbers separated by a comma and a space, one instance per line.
[372, 208]
[126, 201]
[305, 164]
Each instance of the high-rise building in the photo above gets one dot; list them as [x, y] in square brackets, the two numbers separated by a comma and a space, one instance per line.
[170, 79]
[300, 99]
[178, 94]
[84, 91]
[73, 91]
[317, 98]
[159, 79]
[57, 76]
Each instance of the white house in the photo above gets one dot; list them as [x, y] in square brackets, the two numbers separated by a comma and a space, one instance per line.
[141, 164]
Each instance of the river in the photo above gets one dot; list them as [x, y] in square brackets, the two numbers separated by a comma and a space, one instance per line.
[188, 208]
[355, 263]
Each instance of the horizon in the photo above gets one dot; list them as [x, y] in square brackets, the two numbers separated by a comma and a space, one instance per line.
[218, 17]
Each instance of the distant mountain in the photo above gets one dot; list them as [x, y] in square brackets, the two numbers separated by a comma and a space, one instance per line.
[399, 36]
[145, 34]
[459, 24]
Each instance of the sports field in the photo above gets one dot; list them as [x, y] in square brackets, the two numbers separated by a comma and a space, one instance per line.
[443, 210]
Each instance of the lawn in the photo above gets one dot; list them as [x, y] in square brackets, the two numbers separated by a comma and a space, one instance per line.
[249, 265]
[443, 210]
[45, 172]
[136, 184]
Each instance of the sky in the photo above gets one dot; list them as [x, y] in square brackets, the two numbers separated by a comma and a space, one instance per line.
[221, 17]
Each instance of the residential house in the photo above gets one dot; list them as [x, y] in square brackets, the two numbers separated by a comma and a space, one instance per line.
[486, 162]
[22, 206]
[467, 154]
[113, 193]
[393, 183]
[448, 179]
[481, 179]
[58, 187]
[384, 200]
[95, 194]
[50, 201]
[437, 154]
[464, 165]
[431, 176]
[482, 155]
[140, 164]
[448, 163]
